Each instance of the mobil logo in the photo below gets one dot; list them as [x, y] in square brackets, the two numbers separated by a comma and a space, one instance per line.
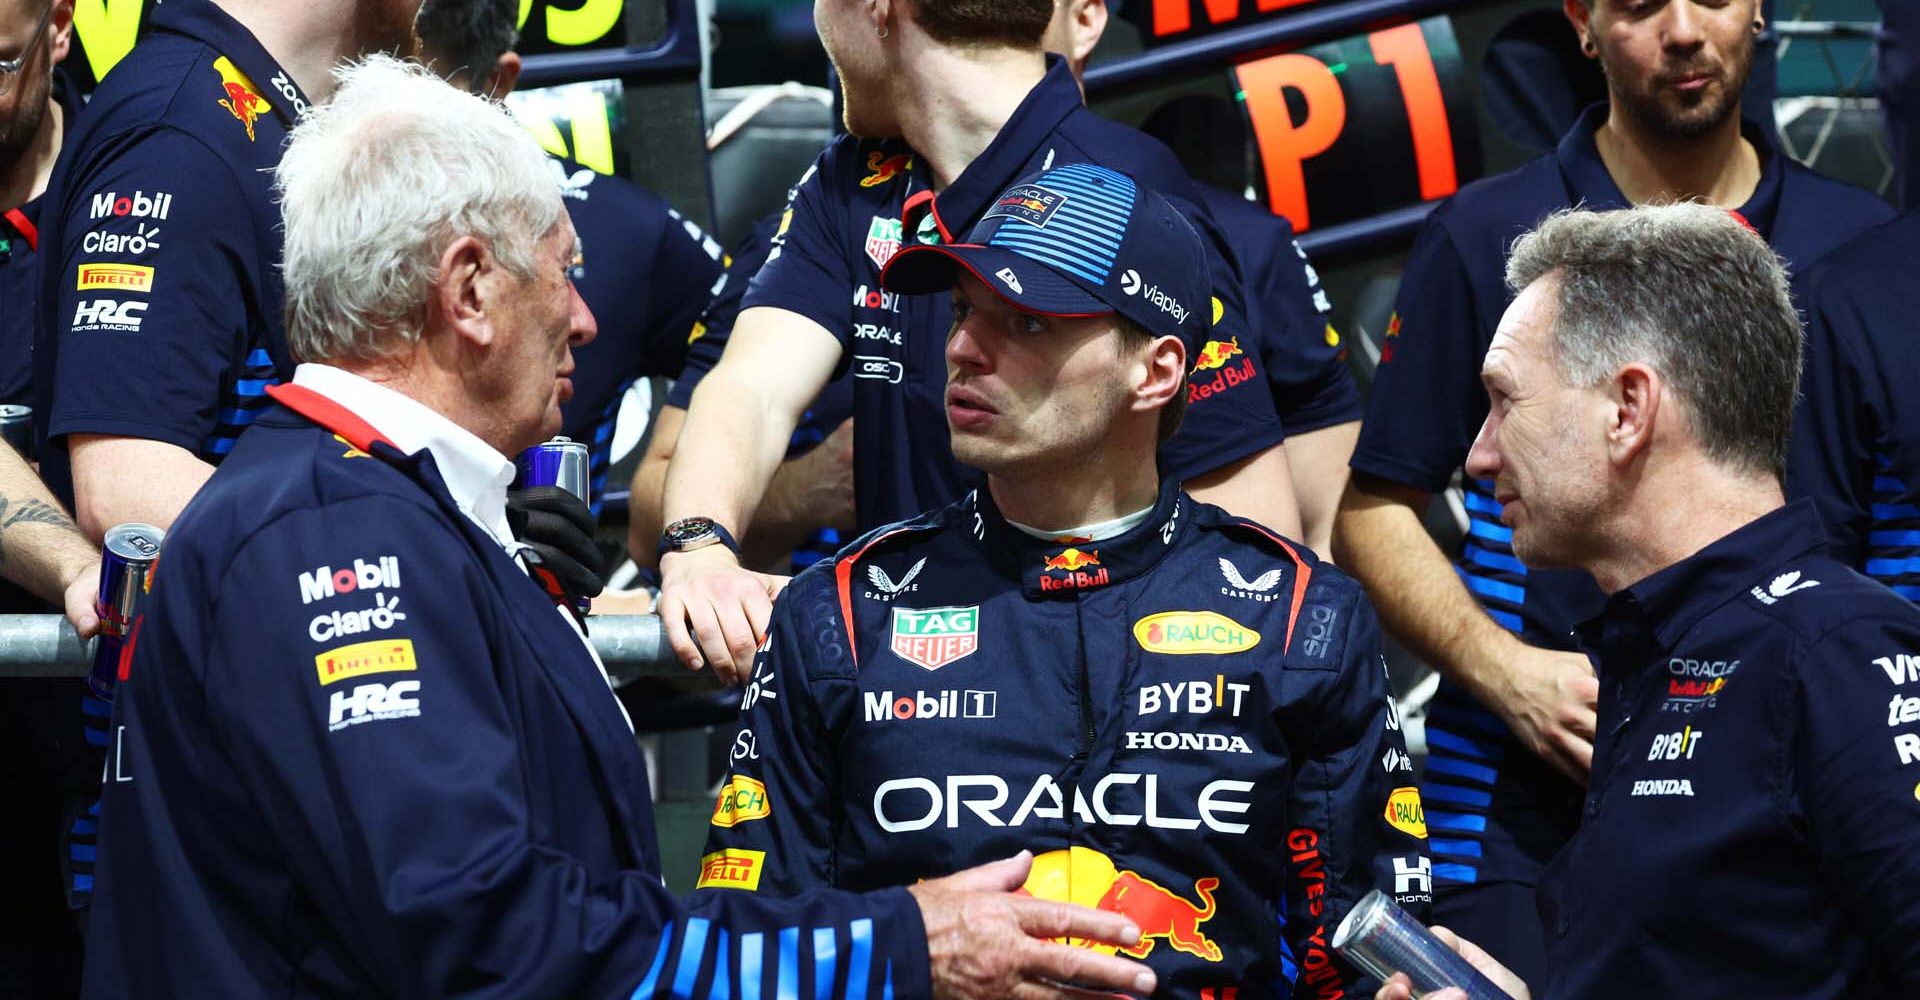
[326, 582]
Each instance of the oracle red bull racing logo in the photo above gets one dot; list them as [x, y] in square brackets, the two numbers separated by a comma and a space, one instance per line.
[883, 168]
[1086, 877]
[1073, 563]
[243, 100]
[1030, 203]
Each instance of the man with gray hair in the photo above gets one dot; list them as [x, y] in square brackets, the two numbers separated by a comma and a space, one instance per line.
[359, 752]
[1749, 826]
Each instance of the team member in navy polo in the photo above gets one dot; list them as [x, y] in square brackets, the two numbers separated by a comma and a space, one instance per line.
[1856, 436]
[977, 105]
[809, 501]
[645, 270]
[1748, 829]
[1010, 659]
[1313, 390]
[160, 310]
[362, 752]
[1510, 732]
[37, 110]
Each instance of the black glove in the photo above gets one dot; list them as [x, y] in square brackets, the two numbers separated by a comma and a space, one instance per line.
[559, 527]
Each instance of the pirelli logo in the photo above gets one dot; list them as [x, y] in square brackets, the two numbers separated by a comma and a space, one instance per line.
[731, 869]
[126, 277]
[362, 658]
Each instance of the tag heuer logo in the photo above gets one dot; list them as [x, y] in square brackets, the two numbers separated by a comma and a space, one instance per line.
[935, 637]
[883, 239]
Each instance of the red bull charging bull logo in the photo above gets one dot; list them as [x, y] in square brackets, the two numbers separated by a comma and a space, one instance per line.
[243, 99]
[1074, 563]
[885, 168]
[1215, 354]
[1087, 877]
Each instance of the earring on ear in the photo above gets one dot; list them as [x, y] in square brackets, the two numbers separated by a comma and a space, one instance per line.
[1586, 45]
[884, 31]
[1759, 26]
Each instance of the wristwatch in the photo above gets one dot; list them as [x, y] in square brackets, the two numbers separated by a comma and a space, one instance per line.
[691, 533]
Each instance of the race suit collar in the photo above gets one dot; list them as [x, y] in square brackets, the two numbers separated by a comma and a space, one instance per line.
[1591, 186]
[1006, 159]
[203, 21]
[1657, 612]
[1047, 568]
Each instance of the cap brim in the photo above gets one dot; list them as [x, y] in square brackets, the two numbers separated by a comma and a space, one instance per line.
[922, 270]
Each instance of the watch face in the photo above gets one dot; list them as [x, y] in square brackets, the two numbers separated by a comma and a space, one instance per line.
[688, 528]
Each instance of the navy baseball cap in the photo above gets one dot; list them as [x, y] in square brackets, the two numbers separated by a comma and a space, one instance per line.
[1078, 240]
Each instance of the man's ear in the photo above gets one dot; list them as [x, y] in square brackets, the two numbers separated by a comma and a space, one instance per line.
[462, 290]
[1088, 19]
[61, 24]
[1635, 397]
[506, 72]
[1162, 373]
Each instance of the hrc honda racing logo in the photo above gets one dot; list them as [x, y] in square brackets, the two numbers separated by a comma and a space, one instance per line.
[326, 582]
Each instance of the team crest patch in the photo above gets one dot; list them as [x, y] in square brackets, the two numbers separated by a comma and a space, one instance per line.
[935, 637]
[1030, 203]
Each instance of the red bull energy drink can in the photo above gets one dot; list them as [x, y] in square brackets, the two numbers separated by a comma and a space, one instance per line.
[16, 426]
[127, 558]
[560, 462]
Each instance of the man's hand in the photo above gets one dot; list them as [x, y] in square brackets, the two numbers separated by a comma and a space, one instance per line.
[559, 527]
[1400, 988]
[81, 590]
[714, 611]
[985, 943]
[1549, 699]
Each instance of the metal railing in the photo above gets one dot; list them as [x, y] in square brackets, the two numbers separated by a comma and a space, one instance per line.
[631, 646]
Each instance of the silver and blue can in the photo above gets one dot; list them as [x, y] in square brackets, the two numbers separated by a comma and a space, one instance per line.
[1381, 938]
[560, 462]
[127, 559]
[16, 427]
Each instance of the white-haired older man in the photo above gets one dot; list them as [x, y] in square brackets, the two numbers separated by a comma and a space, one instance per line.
[361, 753]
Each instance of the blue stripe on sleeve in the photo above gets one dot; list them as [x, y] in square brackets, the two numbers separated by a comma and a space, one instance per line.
[693, 948]
[719, 990]
[1454, 767]
[859, 959]
[752, 954]
[1456, 873]
[1490, 531]
[1440, 739]
[1495, 589]
[788, 979]
[1450, 793]
[825, 957]
[1890, 538]
[646, 987]
[1493, 560]
[1466, 848]
[1457, 822]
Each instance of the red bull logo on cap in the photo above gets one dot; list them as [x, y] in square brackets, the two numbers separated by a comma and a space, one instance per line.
[1086, 877]
[1030, 203]
[885, 168]
[243, 99]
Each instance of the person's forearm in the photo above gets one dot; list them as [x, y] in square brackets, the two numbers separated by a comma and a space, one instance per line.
[644, 522]
[41, 549]
[1318, 460]
[1258, 487]
[728, 450]
[1379, 538]
[121, 479]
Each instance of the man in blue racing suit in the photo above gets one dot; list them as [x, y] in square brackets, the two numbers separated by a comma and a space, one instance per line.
[1182, 713]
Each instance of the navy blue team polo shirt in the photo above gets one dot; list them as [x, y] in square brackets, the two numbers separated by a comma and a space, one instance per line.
[1306, 365]
[160, 305]
[1856, 436]
[863, 199]
[1749, 828]
[20, 273]
[645, 273]
[1496, 812]
[828, 410]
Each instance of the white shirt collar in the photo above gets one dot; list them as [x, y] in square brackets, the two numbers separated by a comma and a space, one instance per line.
[476, 475]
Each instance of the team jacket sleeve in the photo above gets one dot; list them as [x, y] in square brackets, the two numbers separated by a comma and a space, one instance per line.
[1830, 455]
[1427, 402]
[154, 279]
[806, 270]
[1854, 775]
[1354, 813]
[399, 797]
[778, 808]
[1306, 364]
[1230, 414]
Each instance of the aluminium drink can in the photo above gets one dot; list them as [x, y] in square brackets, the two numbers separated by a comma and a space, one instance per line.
[1383, 939]
[16, 426]
[127, 558]
[560, 462]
